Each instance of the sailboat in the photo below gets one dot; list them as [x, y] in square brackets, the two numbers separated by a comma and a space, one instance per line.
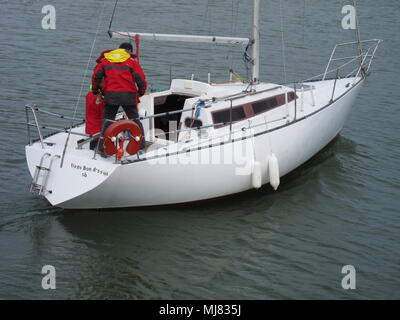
[204, 140]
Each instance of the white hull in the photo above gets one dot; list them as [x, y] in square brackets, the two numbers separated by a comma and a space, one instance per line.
[181, 177]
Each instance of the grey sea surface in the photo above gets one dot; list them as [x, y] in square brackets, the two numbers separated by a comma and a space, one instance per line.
[341, 208]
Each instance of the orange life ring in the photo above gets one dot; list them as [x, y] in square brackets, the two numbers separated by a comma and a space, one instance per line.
[117, 127]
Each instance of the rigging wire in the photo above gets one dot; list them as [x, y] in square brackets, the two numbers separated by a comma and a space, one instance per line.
[83, 82]
[304, 22]
[112, 16]
[283, 42]
[233, 30]
[206, 23]
[247, 57]
[247, 61]
[358, 34]
[360, 48]
[213, 46]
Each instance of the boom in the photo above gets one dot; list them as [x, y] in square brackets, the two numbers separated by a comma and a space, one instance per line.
[178, 37]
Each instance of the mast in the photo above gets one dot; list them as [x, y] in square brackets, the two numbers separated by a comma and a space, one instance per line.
[255, 42]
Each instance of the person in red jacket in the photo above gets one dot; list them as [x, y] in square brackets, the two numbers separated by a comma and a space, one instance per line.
[120, 78]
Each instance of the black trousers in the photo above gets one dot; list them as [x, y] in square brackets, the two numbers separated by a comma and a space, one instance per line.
[110, 111]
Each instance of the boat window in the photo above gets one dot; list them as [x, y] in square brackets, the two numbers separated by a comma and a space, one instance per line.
[265, 105]
[224, 116]
[271, 103]
[193, 123]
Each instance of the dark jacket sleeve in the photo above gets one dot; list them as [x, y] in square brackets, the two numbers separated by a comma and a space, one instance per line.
[97, 77]
[139, 77]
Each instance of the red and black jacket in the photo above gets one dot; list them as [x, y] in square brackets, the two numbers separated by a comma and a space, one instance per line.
[122, 82]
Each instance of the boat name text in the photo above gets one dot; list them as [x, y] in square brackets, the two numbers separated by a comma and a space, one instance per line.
[86, 169]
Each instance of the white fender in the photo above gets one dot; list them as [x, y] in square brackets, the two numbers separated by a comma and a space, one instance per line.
[273, 167]
[256, 177]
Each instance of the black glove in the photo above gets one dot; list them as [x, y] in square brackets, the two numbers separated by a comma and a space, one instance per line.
[96, 91]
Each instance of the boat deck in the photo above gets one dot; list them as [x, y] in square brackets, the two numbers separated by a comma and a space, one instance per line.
[310, 98]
